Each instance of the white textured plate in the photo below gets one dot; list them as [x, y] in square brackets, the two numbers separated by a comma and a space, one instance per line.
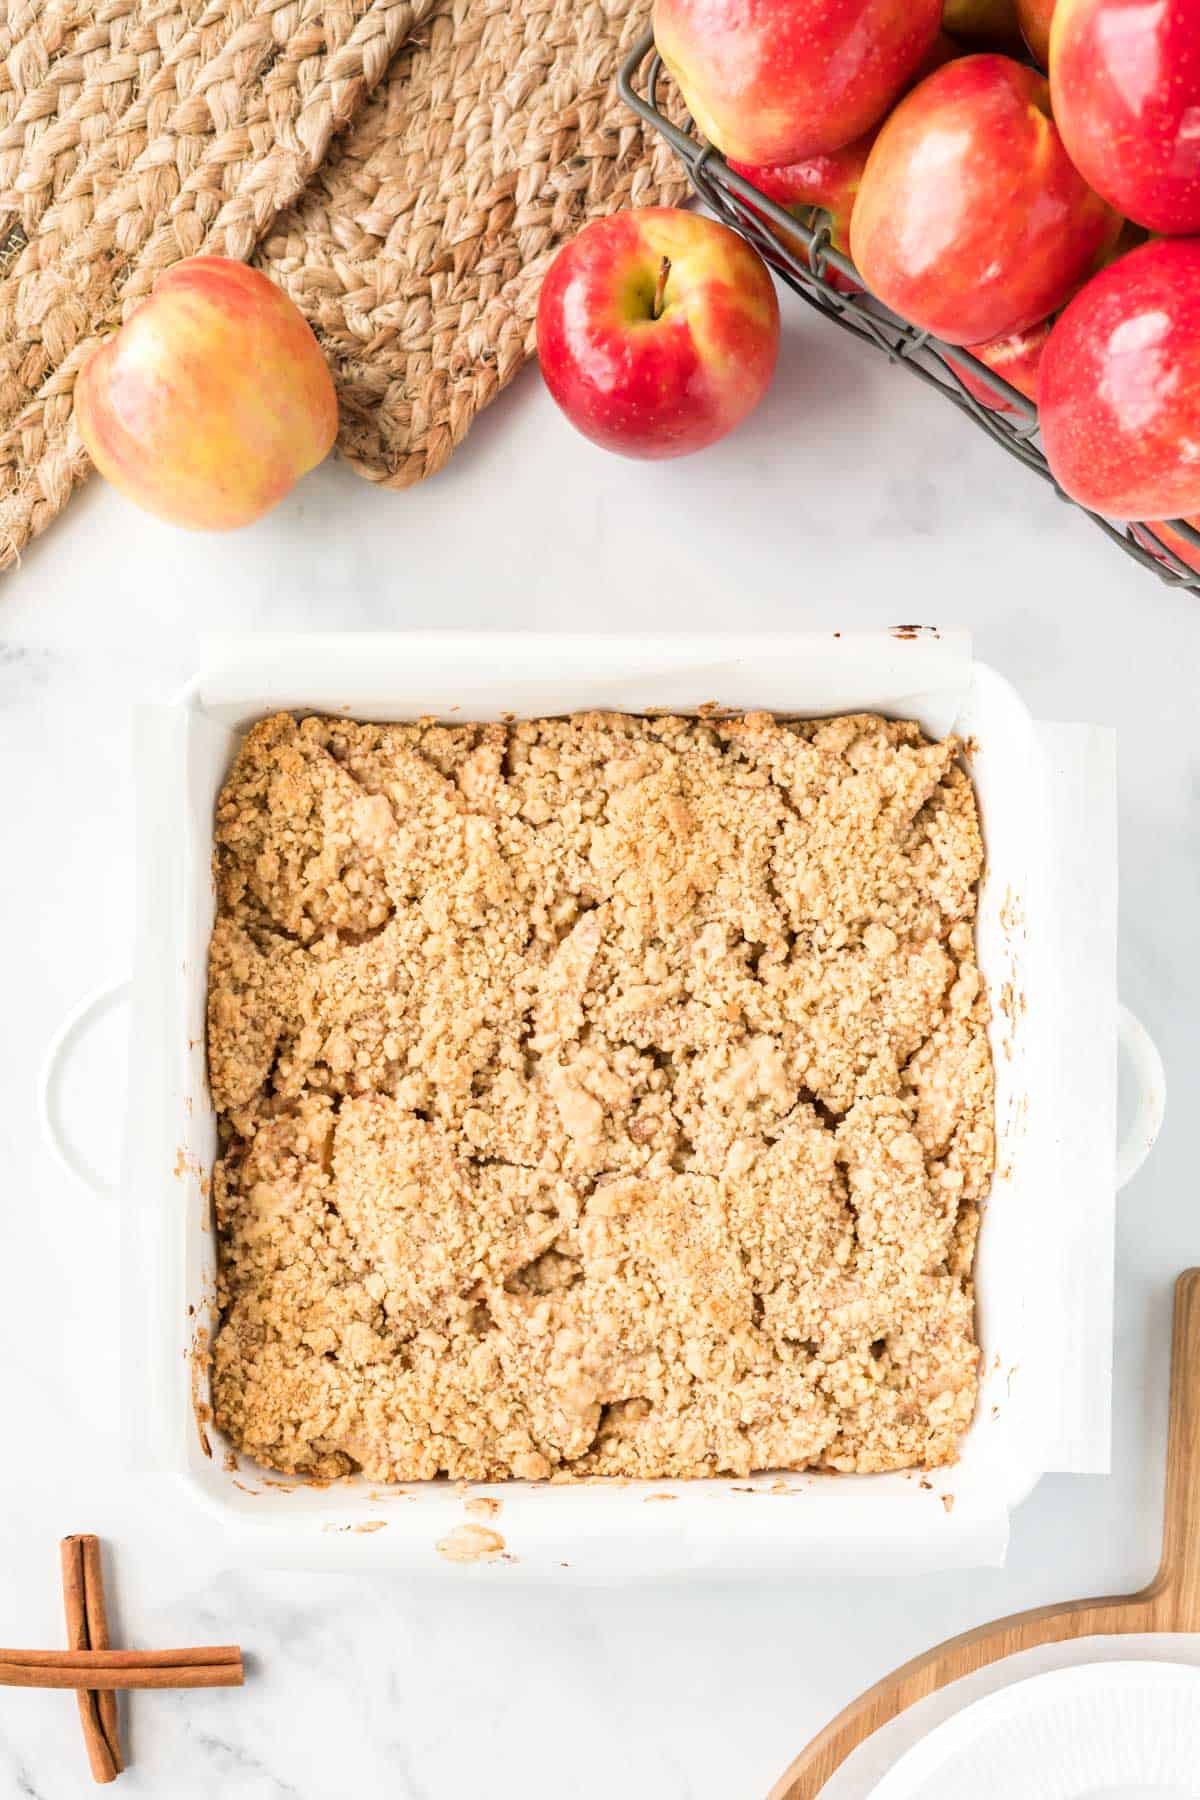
[1098, 1731]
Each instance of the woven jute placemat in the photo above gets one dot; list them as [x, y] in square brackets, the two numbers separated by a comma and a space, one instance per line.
[140, 131]
[417, 250]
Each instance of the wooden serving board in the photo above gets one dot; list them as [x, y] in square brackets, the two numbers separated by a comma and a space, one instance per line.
[1170, 1603]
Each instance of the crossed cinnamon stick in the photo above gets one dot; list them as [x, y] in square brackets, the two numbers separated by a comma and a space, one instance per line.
[96, 1671]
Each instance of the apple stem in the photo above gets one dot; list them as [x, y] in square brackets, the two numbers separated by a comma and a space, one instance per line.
[664, 269]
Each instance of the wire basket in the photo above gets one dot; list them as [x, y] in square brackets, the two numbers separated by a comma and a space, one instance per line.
[801, 254]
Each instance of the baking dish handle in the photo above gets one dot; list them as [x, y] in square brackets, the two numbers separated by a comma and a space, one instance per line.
[1132, 1151]
[78, 1022]
[1150, 1104]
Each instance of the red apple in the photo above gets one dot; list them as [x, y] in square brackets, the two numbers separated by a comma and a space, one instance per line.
[1015, 359]
[1119, 388]
[971, 221]
[1035, 17]
[769, 81]
[657, 331]
[1125, 85]
[211, 401]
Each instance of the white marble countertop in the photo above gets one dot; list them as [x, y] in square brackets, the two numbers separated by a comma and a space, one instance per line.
[852, 498]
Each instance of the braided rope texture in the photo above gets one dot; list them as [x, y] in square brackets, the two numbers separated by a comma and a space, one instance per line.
[133, 133]
[417, 250]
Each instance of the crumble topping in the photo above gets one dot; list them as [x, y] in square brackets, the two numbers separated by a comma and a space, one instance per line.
[603, 1095]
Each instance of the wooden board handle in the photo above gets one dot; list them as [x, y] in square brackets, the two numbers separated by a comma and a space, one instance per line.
[1175, 1592]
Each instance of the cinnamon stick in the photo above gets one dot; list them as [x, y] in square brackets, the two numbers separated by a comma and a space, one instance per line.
[102, 1756]
[193, 1657]
[95, 1614]
[92, 1682]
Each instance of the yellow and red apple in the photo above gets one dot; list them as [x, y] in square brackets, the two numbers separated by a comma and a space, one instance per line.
[657, 331]
[1119, 386]
[770, 81]
[1125, 86]
[971, 221]
[211, 401]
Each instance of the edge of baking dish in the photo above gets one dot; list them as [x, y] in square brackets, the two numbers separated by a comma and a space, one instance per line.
[1030, 1306]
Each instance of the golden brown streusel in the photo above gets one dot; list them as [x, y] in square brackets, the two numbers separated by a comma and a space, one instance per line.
[602, 1095]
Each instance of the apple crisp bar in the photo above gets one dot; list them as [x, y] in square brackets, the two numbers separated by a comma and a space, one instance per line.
[597, 1096]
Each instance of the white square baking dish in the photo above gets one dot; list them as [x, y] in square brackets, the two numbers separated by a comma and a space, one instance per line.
[1046, 938]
